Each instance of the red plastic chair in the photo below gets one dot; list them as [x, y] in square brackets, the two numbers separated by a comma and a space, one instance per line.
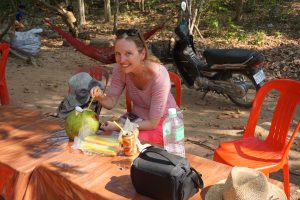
[177, 82]
[4, 97]
[271, 154]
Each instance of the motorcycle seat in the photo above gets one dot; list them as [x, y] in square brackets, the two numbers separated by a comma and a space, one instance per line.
[230, 56]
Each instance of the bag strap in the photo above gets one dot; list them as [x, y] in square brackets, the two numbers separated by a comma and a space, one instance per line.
[161, 152]
[197, 180]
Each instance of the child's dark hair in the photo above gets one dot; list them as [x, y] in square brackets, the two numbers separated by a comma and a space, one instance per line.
[22, 6]
[70, 8]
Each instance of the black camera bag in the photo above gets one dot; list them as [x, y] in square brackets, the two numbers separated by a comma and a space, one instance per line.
[158, 174]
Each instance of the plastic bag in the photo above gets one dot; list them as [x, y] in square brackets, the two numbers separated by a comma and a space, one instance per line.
[90, 143]
[28, 41]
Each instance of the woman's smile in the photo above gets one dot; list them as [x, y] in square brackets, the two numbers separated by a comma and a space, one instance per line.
[128, 56]
[124, 66]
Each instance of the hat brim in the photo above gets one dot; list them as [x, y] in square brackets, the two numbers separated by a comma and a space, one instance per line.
[275, 192]
[216, 192]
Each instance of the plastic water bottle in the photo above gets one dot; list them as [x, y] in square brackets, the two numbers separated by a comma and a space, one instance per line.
[173, 133]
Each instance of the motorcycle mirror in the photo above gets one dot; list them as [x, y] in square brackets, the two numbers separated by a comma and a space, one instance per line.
[183, 5]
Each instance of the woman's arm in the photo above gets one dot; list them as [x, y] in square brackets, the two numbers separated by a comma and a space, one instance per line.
[116, 88]
[143, 125]
[147, 125]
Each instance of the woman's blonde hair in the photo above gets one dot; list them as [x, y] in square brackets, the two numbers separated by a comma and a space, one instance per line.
[137, 37]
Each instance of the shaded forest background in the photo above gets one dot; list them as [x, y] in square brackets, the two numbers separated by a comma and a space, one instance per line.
[272, 26]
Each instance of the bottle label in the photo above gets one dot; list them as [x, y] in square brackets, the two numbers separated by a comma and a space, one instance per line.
[179, 133]
[167, 129]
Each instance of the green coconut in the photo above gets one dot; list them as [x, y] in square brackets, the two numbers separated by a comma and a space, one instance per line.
[81, 120]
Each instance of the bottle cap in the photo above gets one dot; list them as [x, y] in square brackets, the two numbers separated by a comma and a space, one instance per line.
[172, 112]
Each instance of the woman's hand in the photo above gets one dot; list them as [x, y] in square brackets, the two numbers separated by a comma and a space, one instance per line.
[107, 102]
[109, 126]
[97, 93]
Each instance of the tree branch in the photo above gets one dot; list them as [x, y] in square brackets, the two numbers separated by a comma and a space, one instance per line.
[63, 13]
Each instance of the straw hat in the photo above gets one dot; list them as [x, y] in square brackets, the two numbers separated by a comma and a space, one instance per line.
[245, 184]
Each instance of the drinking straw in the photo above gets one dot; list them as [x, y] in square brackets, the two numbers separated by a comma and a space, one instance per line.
[90, 103]
[119, 126]
[90, 106]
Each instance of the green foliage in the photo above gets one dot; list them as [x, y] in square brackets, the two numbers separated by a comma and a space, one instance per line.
[234, 31]
[250, 6]
[217, 6]
[259, 38]
[213, 24]
[278, 34]
[5, 6]
[217, 18]
[151, 4]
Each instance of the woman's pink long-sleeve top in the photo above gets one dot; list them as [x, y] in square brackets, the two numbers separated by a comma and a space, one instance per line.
[150, 103]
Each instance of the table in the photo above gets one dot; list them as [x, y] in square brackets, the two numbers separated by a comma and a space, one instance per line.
[37, 162]
[27, 138]
[73, 175]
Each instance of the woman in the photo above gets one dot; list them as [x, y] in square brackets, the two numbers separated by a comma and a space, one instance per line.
[146, 81]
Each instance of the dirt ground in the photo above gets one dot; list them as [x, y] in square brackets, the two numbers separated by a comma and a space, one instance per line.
[207, 122]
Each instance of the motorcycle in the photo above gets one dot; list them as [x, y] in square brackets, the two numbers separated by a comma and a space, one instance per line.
[234, 73]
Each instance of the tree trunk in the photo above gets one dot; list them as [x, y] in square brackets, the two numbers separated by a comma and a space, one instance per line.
[4, 16]
[189, 9]
[199, 6]
[107, 10]
[192, 25]
[142, 5]
[81, 13]
[10, 24]
[239, 10]
[10, 15]
[116, 15]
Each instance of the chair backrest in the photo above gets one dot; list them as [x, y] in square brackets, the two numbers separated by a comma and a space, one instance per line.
[289, 98]
[4, 51]
[177, 82]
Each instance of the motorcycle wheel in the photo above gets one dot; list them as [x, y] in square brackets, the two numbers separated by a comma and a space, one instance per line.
[247, 100]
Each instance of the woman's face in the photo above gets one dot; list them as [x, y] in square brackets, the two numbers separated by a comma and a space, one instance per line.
[128, 55]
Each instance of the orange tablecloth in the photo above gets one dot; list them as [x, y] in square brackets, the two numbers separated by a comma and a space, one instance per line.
[38, 163]
[72, 175]
[27, 139]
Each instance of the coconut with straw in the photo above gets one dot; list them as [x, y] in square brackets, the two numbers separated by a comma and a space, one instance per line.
[80, 119]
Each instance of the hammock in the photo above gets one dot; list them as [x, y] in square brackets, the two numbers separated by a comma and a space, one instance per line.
[105, 55]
